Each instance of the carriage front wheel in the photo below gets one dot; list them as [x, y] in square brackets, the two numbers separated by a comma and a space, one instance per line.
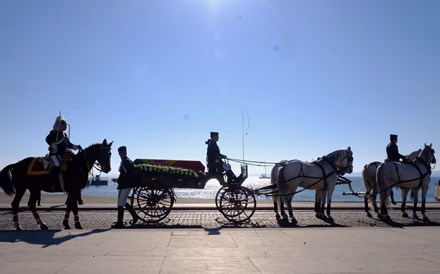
[236, 203]
[152, 203]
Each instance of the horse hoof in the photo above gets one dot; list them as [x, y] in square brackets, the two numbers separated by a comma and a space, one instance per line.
[369, 215]
[44, 227]
[385, 218]
[18, 228]
[330, 220]
[426, 219]
[405, 215]
[278, 216]
[294, 221]
[66, 224]
[393, 202]
[78, 225]
[416, 217]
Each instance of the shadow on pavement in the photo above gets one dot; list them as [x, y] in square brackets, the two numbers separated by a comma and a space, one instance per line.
[44, 238]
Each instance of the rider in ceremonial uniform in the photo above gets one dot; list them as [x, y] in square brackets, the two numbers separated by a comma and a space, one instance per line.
[59, 144]
[393, 151]
[213, 156]
[125, 184]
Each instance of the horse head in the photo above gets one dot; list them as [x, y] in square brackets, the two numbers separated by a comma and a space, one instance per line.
[345, 162]
[427, 155]
[104, 155]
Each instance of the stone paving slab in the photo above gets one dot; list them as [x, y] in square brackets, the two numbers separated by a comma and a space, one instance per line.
[196, 250]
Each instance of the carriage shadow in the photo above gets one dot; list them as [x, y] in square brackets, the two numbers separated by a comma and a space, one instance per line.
[283, 223]
[43, 238]
[411, 223]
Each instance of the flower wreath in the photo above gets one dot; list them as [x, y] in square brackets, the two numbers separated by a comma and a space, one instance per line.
[165, 170]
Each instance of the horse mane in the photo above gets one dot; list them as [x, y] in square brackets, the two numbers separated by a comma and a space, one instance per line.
[336, 153]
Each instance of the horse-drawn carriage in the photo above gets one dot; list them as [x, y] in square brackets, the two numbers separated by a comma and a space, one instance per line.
[155, 180]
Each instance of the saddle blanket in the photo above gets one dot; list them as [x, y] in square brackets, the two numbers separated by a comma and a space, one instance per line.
[39, 166]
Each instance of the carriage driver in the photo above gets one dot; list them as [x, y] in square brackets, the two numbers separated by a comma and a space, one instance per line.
[213, 156]
[59, 144]
[125, 185]
[393, 151]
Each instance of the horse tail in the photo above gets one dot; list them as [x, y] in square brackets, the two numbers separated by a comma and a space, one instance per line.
[274, 182]
[6, 180]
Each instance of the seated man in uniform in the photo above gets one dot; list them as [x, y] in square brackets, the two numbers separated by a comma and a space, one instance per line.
[393, 151]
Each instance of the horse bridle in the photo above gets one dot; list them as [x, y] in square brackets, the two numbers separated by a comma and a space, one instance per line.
[97, 165]
[340, 168]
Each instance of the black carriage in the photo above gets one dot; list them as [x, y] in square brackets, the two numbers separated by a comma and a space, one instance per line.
[153, 196]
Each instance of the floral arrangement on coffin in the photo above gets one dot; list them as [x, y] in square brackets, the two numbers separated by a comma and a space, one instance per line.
[166, 170]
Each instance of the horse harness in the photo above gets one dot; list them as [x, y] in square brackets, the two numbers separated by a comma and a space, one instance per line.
[422, 176]
[301, 174]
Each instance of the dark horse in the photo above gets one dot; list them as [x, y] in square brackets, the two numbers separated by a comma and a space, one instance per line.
[16, 178]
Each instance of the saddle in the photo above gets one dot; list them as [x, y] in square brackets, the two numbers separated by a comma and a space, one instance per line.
[41, 165]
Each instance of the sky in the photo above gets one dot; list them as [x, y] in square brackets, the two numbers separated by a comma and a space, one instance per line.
[280, 79]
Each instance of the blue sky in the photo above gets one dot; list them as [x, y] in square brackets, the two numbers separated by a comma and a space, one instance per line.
[297, 79]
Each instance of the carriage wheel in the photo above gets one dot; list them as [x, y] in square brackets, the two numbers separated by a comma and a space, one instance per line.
[236, 203]
[152, 203]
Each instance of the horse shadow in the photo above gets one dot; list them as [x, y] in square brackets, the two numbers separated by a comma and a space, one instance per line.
[44, 238]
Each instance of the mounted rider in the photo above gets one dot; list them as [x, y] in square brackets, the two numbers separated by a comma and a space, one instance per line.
[393, 151]
[59, 150]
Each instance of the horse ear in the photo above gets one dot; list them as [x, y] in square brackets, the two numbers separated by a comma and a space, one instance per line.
[349, 148]
[104, 142]
[110, 144]
[430, 145]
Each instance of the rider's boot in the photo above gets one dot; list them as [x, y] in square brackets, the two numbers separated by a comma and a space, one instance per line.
[133, 213]
[119, 223]
[60, 178]
[54, 177]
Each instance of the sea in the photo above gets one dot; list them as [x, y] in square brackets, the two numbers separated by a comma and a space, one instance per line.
[254, 182]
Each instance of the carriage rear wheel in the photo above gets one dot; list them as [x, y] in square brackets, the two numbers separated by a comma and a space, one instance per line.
[152, 203]
[236, 203]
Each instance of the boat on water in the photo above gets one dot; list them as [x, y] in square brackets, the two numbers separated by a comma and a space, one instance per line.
[264, 176]
[97, 181]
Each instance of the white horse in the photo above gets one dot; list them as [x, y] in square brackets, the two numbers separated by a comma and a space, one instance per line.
[414, 175]
[320, 175]
[370, 183]
[277, 203]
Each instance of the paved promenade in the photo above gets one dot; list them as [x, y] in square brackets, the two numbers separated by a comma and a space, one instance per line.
[197, 239]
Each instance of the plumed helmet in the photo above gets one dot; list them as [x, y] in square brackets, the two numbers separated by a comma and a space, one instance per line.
[213, 133]
[393, 136]
[58, 122]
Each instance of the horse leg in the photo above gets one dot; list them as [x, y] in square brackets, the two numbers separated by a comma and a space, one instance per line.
[319, 210]
[367, 209]
[32, 204]
[403, 206]
[282, 209]
[383, 206]
[425, 218]
[275, 208]
[373, 198]
[288, 203]
[329, 205]
[15, 206]
[392, 197]
[416, 200]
